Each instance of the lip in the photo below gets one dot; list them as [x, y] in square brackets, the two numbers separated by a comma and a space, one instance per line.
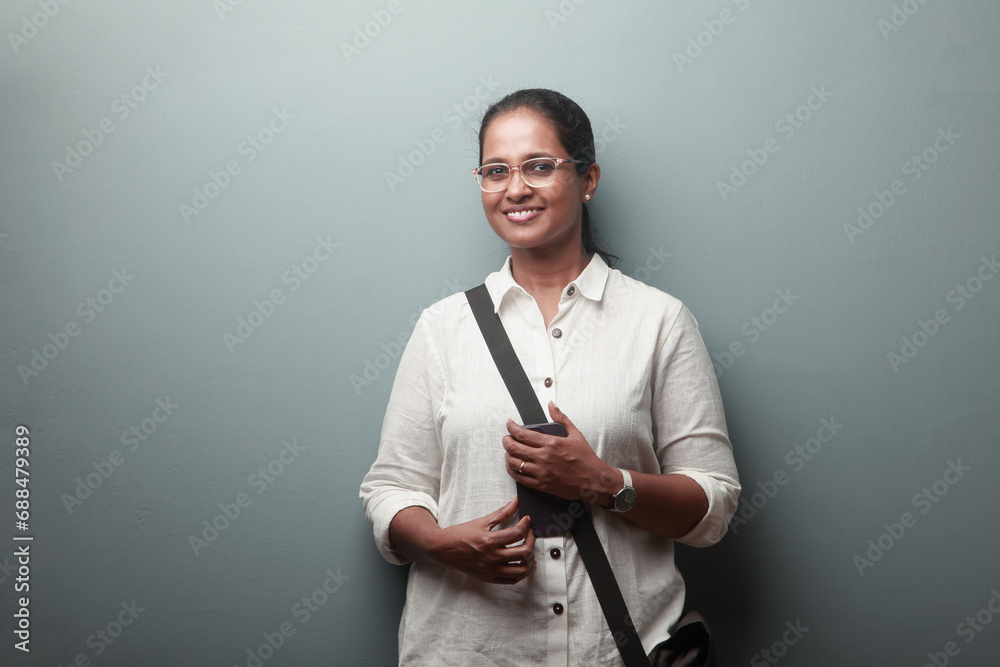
[521, 220]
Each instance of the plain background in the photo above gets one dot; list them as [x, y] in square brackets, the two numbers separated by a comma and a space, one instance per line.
[738, 142]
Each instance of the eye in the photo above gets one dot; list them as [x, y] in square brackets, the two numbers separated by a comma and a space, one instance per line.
[541, 166]
[495, 171]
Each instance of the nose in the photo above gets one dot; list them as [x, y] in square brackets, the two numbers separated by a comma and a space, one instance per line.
[516, 187]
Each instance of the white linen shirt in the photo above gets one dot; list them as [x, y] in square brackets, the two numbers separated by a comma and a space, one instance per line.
[626, 363]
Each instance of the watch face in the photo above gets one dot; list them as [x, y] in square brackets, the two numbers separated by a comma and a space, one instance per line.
[625, 499]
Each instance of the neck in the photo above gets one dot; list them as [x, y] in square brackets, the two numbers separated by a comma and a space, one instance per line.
[540, 273]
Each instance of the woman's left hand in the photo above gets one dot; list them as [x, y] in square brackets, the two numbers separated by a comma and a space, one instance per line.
[565, 467]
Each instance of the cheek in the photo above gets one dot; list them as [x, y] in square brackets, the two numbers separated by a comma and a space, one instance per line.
[490, 209]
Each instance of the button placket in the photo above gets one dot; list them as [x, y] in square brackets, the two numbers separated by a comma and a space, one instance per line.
[554, 594]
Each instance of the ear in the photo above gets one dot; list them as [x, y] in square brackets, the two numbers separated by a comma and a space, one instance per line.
[590, 178]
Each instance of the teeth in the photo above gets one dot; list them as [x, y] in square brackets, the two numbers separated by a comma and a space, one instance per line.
[522, 214]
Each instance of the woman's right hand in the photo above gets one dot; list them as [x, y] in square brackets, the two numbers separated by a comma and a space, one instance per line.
[476, 549]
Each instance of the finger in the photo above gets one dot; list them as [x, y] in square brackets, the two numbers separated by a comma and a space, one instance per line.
[502, 514]
[560, 417]
[514, 533]
[511, 580]
[522, 553]
[525, 436]
[517, 555]
[512, 466]
[517, 467]
[511, 574]
[529, 540]
[521, 474]
[515, 448]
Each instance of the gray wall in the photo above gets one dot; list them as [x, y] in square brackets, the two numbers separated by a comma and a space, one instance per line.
[213, 281]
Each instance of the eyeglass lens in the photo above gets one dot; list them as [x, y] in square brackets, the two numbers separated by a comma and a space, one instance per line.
[536, 172]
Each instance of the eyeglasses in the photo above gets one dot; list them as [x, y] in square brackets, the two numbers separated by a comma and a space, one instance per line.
[536, 173]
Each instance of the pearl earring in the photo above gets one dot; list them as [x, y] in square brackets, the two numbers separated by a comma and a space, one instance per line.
[586, 197]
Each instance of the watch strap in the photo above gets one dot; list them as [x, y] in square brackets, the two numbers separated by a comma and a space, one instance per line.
[626, 484]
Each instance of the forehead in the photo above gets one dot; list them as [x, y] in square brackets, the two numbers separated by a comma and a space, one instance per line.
[517, 135]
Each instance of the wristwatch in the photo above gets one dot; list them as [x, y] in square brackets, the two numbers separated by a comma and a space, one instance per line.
[625, 498]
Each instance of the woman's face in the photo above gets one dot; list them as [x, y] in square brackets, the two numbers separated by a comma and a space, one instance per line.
[544, 219]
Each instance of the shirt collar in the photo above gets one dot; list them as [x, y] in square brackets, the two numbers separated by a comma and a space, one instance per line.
[590, 282]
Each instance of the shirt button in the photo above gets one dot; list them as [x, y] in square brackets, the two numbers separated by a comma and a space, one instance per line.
[571, 291]
[548, 382]
[555, 553]
[556, 333]
[557, 608]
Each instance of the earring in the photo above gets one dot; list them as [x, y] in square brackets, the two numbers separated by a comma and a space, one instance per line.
[586, 197]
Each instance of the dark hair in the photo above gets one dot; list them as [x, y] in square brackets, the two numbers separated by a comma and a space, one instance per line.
[573, 130]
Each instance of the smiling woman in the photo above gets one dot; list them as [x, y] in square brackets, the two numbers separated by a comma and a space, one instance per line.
[647, 447]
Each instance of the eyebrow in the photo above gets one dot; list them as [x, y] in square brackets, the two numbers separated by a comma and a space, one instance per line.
[529, 157]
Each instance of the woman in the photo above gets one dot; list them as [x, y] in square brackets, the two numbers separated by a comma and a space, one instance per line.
[619, 364]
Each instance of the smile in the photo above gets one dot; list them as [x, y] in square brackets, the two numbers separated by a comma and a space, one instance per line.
[522, 215]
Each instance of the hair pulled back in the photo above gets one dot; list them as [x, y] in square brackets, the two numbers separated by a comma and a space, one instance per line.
[573, 130]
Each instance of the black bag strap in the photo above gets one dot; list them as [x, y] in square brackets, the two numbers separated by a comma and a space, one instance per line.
[608, 592]
[584, 534]
[504, 356]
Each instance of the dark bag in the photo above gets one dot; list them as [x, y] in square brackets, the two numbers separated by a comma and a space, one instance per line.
[690, 644]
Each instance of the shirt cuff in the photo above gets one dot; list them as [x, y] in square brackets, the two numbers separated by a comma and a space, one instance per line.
[722, 497]
[382, 512]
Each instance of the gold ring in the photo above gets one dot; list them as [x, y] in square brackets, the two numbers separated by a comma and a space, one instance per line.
[521, 469]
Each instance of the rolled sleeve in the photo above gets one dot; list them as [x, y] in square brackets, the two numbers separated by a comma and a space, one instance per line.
[722, 495]
[407, 471]
[690, 427]
[384, 506]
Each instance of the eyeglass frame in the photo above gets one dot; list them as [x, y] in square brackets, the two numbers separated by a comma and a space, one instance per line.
[513, 167]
